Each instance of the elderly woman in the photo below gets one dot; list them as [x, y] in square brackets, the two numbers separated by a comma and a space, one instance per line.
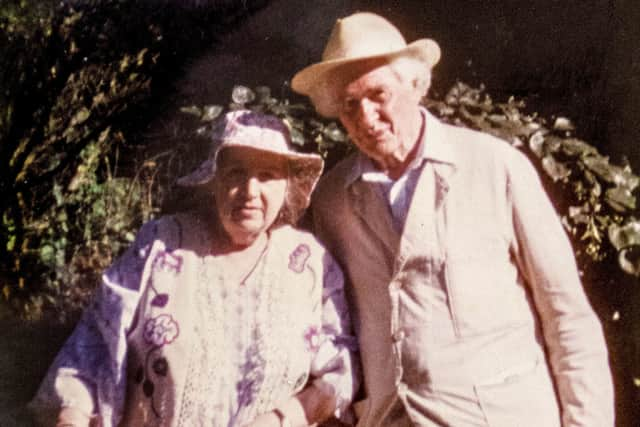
[224, 317]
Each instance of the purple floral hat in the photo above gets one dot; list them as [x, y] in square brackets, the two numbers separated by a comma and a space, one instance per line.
[245, 128]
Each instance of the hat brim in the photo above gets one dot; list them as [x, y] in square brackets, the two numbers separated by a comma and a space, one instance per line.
[312, 80]
[305, 170]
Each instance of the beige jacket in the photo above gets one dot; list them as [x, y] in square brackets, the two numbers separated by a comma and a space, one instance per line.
[509, 274]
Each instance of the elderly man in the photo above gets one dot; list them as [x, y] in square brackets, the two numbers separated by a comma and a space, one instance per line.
[469, 309]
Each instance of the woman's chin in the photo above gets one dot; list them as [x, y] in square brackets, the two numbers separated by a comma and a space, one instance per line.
[246, 231]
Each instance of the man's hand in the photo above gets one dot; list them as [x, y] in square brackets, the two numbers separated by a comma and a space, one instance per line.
[270, 419]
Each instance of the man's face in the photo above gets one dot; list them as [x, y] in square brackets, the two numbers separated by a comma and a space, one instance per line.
[380, 113]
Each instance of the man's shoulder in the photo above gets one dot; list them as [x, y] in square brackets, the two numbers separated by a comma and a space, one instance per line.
[333, 184]
[469, 138]
[184, 230]
[474, 147]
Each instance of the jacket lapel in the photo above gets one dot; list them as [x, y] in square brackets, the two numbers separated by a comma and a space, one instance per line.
[421, 225]
[373, 210]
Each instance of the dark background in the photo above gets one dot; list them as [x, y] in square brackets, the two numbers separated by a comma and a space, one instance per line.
[579, 59]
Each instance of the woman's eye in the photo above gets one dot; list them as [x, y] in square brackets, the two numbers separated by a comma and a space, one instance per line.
[380, 95]
[267, 175]
[232, 174]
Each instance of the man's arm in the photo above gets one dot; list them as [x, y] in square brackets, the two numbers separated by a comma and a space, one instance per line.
[572, 332]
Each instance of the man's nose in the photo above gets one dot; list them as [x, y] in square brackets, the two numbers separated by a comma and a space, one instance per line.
[368, 114]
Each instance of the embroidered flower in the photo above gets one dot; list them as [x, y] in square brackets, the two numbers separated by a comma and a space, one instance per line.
[299, 257]
[160, 300]
[160, 366]
[168, 262]
[161, 330]
[312, 338]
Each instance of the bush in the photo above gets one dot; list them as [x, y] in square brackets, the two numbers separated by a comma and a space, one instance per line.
[79, 79]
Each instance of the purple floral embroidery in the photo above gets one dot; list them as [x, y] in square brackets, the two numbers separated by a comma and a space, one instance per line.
[312, 338]
[164, 261]
[168, 262]
[160, 366]
[158, 331]
[161, 330]
[253, 369]
[160, 300]
[299, 257]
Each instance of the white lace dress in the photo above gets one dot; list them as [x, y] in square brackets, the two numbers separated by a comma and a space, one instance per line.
[168, 343]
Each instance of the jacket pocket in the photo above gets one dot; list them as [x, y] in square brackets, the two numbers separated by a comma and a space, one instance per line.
[522, 397]
[484, 290]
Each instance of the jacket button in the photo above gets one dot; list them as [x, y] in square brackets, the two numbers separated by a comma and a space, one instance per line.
[399, 335]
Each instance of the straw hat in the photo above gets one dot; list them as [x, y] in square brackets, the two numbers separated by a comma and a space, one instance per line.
[263, 133]
[357, 37]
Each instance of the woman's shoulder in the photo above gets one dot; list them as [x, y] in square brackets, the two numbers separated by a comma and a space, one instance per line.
[181, 230]
[298, 248]
[290, 237]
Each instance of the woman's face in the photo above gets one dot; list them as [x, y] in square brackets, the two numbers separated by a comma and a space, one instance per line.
[250, 188]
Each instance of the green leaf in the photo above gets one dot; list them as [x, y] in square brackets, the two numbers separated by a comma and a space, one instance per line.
[629, 260]
[575, 147]
[624, 236]
[47, 254]
[297, 137]
[556, 170]
[211, 112]
[242, 95]
[612, 174]
[80, 117]
[552, 143]
[579, 214]
[191, 109]
[263, 92]
[563, 124]
[11, 242]
[332, 131]
[536, 143]
[620, 199]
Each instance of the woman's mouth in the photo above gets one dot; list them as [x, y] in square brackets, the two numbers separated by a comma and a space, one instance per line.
[246, 210]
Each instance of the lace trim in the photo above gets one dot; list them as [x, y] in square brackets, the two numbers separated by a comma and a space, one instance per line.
[242, 362]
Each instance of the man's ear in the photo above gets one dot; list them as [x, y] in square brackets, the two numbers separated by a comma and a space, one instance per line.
[421, 85]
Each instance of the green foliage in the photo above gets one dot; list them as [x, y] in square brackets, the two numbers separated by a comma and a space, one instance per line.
[79, 81]
[310, 132]
[78, 235]
[595, 199]
[60, 120]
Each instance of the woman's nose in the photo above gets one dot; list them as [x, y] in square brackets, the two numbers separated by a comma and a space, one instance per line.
[252, 186]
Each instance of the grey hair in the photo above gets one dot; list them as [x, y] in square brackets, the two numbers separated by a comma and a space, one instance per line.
[295, 201]
[412, 71]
